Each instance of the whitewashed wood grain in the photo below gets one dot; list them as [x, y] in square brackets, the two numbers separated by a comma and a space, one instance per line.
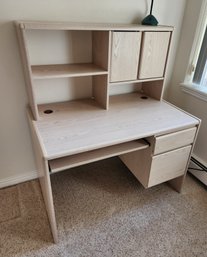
[168, 165]
[66, 70]
[96, 155]
[79, 126]
[154, 53]
[124, 55]
[88, 26]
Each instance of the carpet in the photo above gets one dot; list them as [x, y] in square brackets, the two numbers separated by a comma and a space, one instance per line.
[103, 211]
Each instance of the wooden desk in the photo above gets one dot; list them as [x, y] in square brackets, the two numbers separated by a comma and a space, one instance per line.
[153, 138]
[146, 130]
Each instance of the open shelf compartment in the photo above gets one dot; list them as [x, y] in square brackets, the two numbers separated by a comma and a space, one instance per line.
[65, 54]
[66, 70]
[96, 155]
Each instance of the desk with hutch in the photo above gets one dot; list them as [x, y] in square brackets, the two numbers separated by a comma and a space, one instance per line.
[152, 137]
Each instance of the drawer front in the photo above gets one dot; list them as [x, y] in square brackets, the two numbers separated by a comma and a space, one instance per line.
[174, 140]
[168, 165]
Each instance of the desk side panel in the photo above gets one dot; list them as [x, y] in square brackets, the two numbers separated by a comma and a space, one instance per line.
[139, 163]
[44, 178]
[21, 34]
[177, 183]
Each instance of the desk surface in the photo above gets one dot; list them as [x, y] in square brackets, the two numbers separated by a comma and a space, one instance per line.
[80, 126]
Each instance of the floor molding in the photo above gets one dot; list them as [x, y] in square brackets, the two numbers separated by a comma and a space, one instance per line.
[13, 180]
[199, 167]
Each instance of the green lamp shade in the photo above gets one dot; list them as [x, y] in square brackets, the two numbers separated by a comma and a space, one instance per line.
[150, 20]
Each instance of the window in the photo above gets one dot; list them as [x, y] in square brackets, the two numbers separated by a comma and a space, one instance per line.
[196, 78]
[200, 74]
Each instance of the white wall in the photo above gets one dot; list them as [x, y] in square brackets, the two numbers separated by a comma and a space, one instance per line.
[16, 156]
[189, 103]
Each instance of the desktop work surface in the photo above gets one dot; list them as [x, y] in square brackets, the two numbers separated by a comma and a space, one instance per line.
[153, 138]
[79, 126]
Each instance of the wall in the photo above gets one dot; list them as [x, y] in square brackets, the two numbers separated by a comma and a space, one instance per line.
[16, 158]
[189, 103]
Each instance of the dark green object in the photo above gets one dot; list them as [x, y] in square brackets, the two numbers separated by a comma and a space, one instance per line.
[150, 19]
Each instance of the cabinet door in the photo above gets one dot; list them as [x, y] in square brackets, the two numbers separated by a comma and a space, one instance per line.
[124, 55]
[153, 54]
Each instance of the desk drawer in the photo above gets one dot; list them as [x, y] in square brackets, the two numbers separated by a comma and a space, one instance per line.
[168, 165]
[174, 140]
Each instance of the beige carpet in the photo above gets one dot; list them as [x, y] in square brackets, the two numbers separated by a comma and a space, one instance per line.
[102, 211]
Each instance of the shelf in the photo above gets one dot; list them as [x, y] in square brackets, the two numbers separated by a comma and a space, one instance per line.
[135, 81]
[43, 25]
[66, 70]
[96, 155]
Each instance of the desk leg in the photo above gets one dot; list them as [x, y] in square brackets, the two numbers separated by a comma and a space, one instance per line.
[48, 197]
[177, 183]
[44, 177]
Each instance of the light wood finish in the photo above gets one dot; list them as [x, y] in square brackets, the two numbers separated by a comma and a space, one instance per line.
[66, 70]
[128, 38]
[151, 171]
[27, 70]
[124, 56]
[139, 163]
[100, 55]
[109, 62]
[177, 183]
[73, 133]
[100, 90]
[154, 54]
[153, 89]
[44, 178]
[48, 25]
[174, 140]
[168, 165]
[96, 155]
[100, 48]
[80, 126]
[160, 80]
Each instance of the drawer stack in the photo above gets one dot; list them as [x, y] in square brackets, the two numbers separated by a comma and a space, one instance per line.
[166, 159]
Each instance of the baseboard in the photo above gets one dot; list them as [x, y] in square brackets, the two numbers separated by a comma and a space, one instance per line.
[13, 180]
[199, 174]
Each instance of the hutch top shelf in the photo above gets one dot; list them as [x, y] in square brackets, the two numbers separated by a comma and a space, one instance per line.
[44, 25]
